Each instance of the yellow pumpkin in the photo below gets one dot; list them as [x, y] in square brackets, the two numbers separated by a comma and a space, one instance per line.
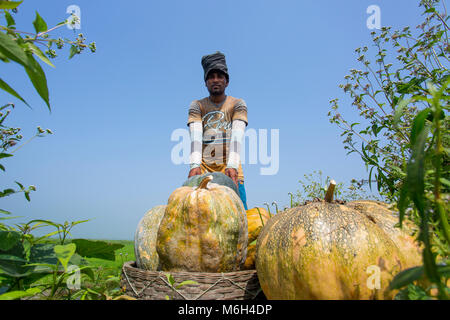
[327, 250]
[256, 218]
[204, 229]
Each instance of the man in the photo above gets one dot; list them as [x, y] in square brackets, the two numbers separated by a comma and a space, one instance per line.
[217, 124]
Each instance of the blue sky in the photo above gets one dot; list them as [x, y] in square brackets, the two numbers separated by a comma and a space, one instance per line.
[113, 112]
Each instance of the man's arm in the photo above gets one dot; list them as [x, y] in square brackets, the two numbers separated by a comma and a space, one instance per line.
[234, 157]
[195, 158]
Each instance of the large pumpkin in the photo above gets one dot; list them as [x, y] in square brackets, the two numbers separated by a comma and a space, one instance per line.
[204, 229]
[256, 218]
[218, 178]
[145, 239]
[324, 251]
[387, 220]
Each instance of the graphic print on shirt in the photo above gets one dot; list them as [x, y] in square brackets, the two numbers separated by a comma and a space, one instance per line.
[216, 128]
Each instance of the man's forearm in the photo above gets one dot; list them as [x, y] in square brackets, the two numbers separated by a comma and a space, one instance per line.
[196, 133]
[237, 137]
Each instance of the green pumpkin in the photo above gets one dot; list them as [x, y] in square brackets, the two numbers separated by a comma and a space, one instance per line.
[145, 239]
[204, 229]
[326, 251]
[218, 178]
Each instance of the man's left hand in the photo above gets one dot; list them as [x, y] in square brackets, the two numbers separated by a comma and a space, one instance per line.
[233, 174]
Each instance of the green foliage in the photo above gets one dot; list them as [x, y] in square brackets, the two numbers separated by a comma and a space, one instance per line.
[30, 262]
[97, 249]
[31, 265]
[404, 142]
[22, 47]
[314, 186]
[171, 282]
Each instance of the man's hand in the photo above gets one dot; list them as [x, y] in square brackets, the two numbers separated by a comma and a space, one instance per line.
[195, 172]
[233, 174]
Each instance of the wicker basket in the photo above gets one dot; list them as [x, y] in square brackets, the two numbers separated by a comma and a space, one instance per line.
[154, 285]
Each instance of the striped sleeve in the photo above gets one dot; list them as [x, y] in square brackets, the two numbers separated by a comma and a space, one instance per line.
[240, 111]
[195, 113]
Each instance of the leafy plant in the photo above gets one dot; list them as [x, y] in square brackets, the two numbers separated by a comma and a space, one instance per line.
[22, 48]
[30, 262]
[171, 282]
[379, 88]
[26, 260]
[404, 142]
[314, 186]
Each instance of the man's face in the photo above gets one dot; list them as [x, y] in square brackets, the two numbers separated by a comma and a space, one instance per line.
[216, 82]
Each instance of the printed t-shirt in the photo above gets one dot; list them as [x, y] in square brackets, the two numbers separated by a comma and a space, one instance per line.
[216, 122]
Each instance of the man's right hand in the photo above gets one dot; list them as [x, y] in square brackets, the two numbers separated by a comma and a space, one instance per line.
[195, 172]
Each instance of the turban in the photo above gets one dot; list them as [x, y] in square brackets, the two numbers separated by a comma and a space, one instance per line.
[215, 61]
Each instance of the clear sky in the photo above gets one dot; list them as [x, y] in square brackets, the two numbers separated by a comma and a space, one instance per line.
[114, 111]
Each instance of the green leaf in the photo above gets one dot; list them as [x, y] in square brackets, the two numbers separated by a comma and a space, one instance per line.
[4, 211]
[97, 249]
[73, 51]
[9, 257]
[445, 181]
[7, 192]
[4, 86]
[64, 253]
[74, 223]
[15, 268]
[39, 24]
[9, 19]
[9, 4]
[9, 239]
[38, 79]
[88, 271]
[415, 167]
[48, 235]
[406, 277]
[43, 254]
[400, 110]
[10, 49]
[170, 279]
[51, 223]
[19, 184]
[14, 295]
[417, 293]
[39, 53]
[419, 124]
[5, 155]
[185, 283]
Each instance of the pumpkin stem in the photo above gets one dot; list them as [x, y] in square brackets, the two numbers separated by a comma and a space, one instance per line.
[204, 182]
[330, 191]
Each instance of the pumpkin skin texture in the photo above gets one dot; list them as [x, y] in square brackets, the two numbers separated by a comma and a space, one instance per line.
[218, 178]
[386, 220]
[322, 251]
[204, 229]
[254, 228]
[145, 239]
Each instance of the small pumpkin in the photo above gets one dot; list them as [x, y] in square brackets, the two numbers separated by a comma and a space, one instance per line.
[256, 218]
[204, 229]
[145, 239]
[218, 178]
[323, 250]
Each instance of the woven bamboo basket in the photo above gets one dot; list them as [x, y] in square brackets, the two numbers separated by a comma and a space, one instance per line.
[154, 285]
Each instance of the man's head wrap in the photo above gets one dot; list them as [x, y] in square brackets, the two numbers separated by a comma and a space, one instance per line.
[215, 61]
